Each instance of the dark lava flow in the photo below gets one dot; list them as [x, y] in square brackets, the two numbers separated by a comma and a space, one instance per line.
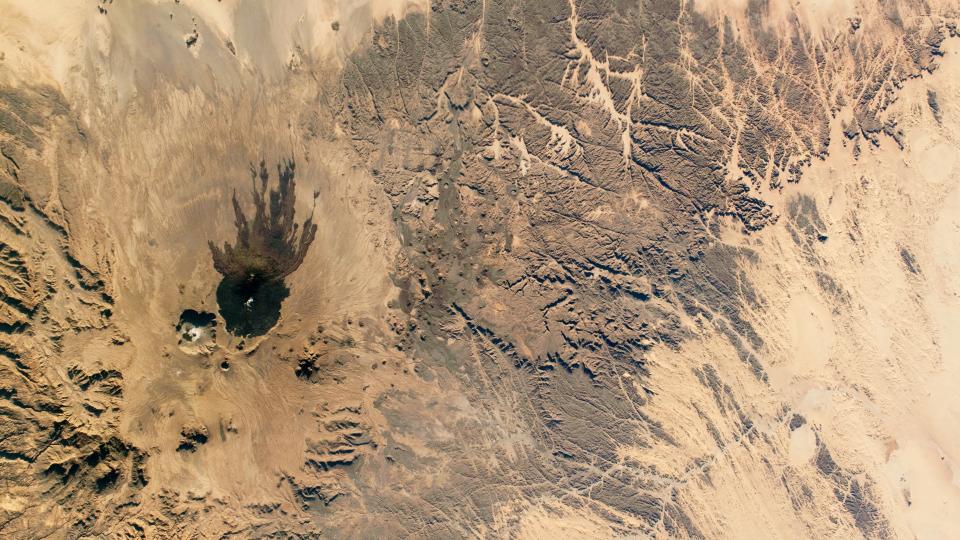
[250, 306]
[268, 249]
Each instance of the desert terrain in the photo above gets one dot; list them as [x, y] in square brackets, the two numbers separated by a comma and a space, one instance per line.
[479, 269]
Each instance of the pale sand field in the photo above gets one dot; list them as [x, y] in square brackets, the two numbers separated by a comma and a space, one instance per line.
[874, 373]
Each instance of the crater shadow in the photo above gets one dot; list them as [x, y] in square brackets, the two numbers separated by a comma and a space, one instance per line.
[191, 318]
[196, 331]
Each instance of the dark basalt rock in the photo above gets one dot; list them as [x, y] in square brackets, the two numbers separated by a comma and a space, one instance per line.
[268, 248]
[251, 306]
[934, 106]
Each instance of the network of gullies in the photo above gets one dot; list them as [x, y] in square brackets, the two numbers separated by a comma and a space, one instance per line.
[269, 247]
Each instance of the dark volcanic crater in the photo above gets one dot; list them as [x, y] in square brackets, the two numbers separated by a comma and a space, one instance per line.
[251, 305]
[269, 247]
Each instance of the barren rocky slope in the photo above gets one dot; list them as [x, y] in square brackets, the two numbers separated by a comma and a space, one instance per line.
[479, 269]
